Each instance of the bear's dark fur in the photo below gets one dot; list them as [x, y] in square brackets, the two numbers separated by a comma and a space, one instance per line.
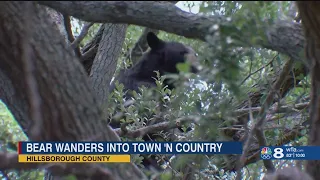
[163, 57]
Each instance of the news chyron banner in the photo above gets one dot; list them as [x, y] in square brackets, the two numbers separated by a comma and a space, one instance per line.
[290, 152]
[115, 152]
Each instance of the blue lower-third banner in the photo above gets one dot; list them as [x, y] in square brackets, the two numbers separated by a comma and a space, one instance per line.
[290, 152]
[101, 148]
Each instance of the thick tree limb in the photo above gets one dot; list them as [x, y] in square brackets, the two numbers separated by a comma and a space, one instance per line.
[106, 59]
[284, 37]
[144, 13]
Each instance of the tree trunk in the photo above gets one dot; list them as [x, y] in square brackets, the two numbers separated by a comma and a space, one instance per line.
[310, 16]
[46, 87]
[105, 61]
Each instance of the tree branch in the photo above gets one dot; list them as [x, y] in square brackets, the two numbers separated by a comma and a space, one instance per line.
[281, 109]
[285, 37]
[67, 25]
[175, 20]
[258, 127]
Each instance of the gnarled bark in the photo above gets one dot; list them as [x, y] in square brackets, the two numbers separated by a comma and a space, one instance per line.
[105, 62]
[310, 16]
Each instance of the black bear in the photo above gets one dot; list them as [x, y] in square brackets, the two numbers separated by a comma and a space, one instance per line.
[162, 57]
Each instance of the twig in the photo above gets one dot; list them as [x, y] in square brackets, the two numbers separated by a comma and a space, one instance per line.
[264, 66]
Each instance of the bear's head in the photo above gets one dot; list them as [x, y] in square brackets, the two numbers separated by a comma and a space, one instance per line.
[164, 57]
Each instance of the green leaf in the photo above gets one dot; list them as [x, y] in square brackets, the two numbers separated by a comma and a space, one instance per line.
[183, 67]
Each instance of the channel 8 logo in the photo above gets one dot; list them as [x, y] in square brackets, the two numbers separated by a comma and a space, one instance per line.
[278, 153]
[266, 153]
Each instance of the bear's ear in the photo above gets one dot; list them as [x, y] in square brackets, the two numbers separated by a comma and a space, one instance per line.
[153, 41]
